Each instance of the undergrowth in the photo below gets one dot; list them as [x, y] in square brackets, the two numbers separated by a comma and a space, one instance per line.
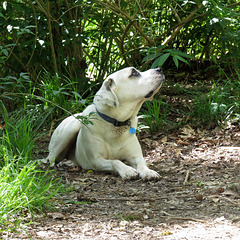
[24, 188]
[154, 114]
[215, 106]
[220, 104]
[27, 109]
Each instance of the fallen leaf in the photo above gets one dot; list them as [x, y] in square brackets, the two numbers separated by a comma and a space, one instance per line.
[164, 139]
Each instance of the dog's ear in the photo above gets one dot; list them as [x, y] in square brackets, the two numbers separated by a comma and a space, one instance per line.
[107, 95]
[110, 96]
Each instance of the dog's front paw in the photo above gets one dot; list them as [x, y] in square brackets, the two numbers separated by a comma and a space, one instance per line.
[148, 174]
[129, 173]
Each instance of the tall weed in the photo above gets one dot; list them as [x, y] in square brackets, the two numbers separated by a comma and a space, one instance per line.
[60, 91]
[22, 129]
[154, 114]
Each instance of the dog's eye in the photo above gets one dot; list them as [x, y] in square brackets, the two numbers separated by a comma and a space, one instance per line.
[134, 73]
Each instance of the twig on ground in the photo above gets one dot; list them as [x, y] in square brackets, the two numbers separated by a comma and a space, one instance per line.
[130, 199]
[185, 218]
[187, 178]
[230, 200]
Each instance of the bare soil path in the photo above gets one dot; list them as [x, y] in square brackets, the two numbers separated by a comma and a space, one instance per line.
[198, 196]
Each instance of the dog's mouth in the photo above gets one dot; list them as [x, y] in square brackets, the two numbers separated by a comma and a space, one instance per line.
[156, 89]
[149, 94]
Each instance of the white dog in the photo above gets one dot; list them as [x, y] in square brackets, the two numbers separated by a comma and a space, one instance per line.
[103, 145]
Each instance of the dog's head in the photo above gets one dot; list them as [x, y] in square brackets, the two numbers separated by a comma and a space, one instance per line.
[129, 85]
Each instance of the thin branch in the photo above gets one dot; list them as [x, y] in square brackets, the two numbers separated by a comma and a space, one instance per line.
[177, 29]
[230, 200]
[187, 178]
[122, 42]
[37, 97]
[40, 5]
[78, 117]
[179, 24]
[46, 11]
[36, 31]
[120, 12]
[233, 5]
[175, 13]
[51, 37]
[17, 58]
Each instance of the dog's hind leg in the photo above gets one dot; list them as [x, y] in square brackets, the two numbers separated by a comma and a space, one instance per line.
[63, 139]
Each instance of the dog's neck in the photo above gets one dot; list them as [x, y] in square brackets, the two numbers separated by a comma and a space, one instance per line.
[122, 113]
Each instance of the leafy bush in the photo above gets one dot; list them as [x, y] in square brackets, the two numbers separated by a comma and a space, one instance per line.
[88, 38]
[160, 56]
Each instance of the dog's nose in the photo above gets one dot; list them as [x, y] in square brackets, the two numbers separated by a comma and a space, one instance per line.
[158, 70]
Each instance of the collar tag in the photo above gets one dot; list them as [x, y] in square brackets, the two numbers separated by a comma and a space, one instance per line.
[132, 130]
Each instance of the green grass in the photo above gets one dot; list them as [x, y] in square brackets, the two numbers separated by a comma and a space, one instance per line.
[24, 188]
[61, 91]
[220, 104]
[154, 114]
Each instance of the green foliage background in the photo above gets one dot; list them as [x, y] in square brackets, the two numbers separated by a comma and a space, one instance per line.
[62, 50]
[90, 38]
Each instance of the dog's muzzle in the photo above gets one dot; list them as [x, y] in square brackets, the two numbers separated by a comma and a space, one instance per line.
[160, 75]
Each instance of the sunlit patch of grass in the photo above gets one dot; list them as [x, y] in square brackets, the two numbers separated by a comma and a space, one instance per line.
[24, 188]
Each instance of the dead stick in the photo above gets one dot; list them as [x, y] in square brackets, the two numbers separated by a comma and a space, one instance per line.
[185, 219]
[187, 178]
[230, 200]
[129, 199]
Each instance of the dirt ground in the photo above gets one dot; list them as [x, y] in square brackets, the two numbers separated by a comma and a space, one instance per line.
[197, 197]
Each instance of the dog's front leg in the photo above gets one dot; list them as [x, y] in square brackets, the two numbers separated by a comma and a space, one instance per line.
[116, 166]
[135, 158]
